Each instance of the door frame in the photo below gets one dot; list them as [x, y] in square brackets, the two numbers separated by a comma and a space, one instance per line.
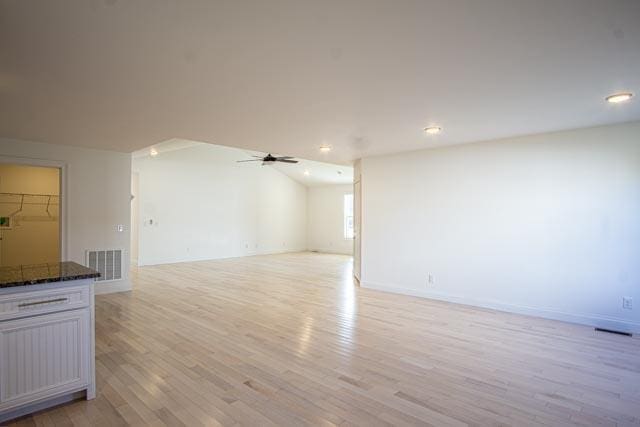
[25, 161]
[357, 229]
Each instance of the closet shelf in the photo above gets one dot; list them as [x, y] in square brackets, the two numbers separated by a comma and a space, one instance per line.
[28, 194]
[20, 200]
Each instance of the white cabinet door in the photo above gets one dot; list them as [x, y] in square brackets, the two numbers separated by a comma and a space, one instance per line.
[43, 356]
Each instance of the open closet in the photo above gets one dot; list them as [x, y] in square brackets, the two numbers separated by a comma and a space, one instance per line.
[29, 215]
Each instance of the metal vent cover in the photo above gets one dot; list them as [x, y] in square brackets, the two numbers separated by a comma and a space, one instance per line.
[108, 262]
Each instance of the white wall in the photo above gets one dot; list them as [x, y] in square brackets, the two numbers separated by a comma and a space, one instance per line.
[325, 219]
[204, 205]
[96, 196]
[546, 224]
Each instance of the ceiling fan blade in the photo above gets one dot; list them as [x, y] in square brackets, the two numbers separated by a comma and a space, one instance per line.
[284, 157]
[241, 161]
[286, 161]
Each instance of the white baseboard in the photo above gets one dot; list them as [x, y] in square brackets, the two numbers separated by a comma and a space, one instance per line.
[331, 251]
[164, 261]
[579, 318]
[111, 287]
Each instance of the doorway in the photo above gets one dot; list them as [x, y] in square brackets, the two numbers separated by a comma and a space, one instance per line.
[29, 215]
[135, 185]
[357, 219]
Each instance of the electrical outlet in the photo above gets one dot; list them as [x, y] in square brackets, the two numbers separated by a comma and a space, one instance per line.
[430, 279]
[627, 303]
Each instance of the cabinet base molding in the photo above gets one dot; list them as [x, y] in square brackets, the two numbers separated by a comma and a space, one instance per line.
[39, 406]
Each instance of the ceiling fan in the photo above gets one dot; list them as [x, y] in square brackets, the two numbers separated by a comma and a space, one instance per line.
[270, 159]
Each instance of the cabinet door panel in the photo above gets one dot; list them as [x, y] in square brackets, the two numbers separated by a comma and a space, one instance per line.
[42, 356]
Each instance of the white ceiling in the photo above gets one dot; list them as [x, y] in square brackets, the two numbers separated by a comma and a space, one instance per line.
[319, 173]
[165, 147]
[288, 75]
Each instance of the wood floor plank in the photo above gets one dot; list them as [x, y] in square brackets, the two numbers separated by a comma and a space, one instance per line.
[289, 339]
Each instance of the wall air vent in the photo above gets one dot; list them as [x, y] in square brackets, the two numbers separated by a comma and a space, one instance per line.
[107, 262]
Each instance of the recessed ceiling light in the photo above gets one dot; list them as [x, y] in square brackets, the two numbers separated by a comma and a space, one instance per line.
[307, 173]
[432, 130]
[153, 152]
[325, 148]
[619, 97]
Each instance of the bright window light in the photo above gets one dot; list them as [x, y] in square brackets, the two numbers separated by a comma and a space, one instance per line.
[348, 216]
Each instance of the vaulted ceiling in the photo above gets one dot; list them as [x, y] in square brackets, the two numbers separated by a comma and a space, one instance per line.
[307, 172]
[286, 76]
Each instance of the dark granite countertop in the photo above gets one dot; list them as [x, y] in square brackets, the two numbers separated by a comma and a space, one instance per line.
[23, 275]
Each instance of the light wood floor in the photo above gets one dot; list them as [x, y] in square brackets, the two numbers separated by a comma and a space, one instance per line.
[288, 340]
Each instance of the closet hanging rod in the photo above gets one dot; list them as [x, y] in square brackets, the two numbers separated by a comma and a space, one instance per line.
[52, 203]
[29, 194]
